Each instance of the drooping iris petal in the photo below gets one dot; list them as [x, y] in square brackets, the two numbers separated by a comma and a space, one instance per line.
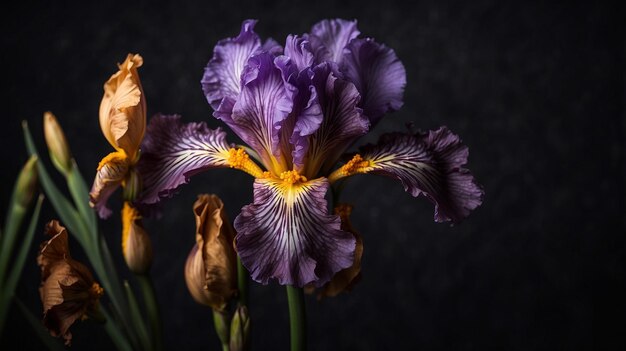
[330, 37]
[288, 235]
[112, 170]
[222, 75]
[342, 123]
[378, 75]
[429, 164]
[260, 109]
[173, 151]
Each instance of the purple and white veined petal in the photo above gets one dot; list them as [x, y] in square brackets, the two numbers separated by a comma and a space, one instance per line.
[378, 74]
[272, 46]
[330, 37]
[112, 171]
[222, 75]
[263, 104]
[306, 115]
[173, 151]
[343, 120]
[429, 164]
[288, 235]
[299, 50]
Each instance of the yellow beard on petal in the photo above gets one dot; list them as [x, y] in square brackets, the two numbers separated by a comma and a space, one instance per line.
[356, 165]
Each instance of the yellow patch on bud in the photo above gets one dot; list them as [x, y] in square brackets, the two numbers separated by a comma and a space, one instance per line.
[356, 165]
[136, 245]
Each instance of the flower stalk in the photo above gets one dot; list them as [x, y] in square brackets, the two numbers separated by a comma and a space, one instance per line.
[297, 318]
[152, 307]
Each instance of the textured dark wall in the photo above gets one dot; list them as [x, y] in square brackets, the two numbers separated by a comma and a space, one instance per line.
[535, 91]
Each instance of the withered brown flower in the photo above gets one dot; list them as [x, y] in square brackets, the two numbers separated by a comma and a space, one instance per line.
[210, 271]
[68, 290]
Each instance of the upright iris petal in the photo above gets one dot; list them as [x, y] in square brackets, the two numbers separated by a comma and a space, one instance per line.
[221, 81]
[260, 109]
[299, 50]
[222, 76]
[288, 235]
[123, 108]
[343, 121]
[330, 37]
[378, 74]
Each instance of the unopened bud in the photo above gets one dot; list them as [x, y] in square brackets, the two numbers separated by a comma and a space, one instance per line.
[57, 144]
[239, 329]
[136, 245]
[26, 184]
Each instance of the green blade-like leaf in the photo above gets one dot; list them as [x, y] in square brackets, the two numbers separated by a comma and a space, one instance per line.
[138, 320]
[18, 264]
[50, 342]
[119, 339]
[80, 193]
[69, 216]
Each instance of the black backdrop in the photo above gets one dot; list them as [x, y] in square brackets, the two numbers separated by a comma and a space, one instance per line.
[536, 91]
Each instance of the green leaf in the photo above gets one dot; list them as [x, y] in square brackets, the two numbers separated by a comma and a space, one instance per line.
[80, 193]
[119, 339]
[137, 318]
[68, 214]
[18, 264]
[43, 334]
[23, 193]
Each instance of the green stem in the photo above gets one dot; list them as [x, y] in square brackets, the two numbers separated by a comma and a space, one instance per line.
[14, 219]
[242, 283]
[297, 318]
[149, 295]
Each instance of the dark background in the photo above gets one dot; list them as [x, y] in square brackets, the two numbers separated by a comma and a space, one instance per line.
[535, 90]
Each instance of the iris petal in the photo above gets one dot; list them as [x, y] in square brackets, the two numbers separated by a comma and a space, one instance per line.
[428, 164]
[288, 235]
[261, 108]
[330, 37]
[378, 74]
[343, 121]
[111, 172]
[173, 151]
[299, 50]
[222, 75]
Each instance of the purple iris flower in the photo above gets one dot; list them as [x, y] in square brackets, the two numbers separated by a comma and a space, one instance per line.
[299, 108]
